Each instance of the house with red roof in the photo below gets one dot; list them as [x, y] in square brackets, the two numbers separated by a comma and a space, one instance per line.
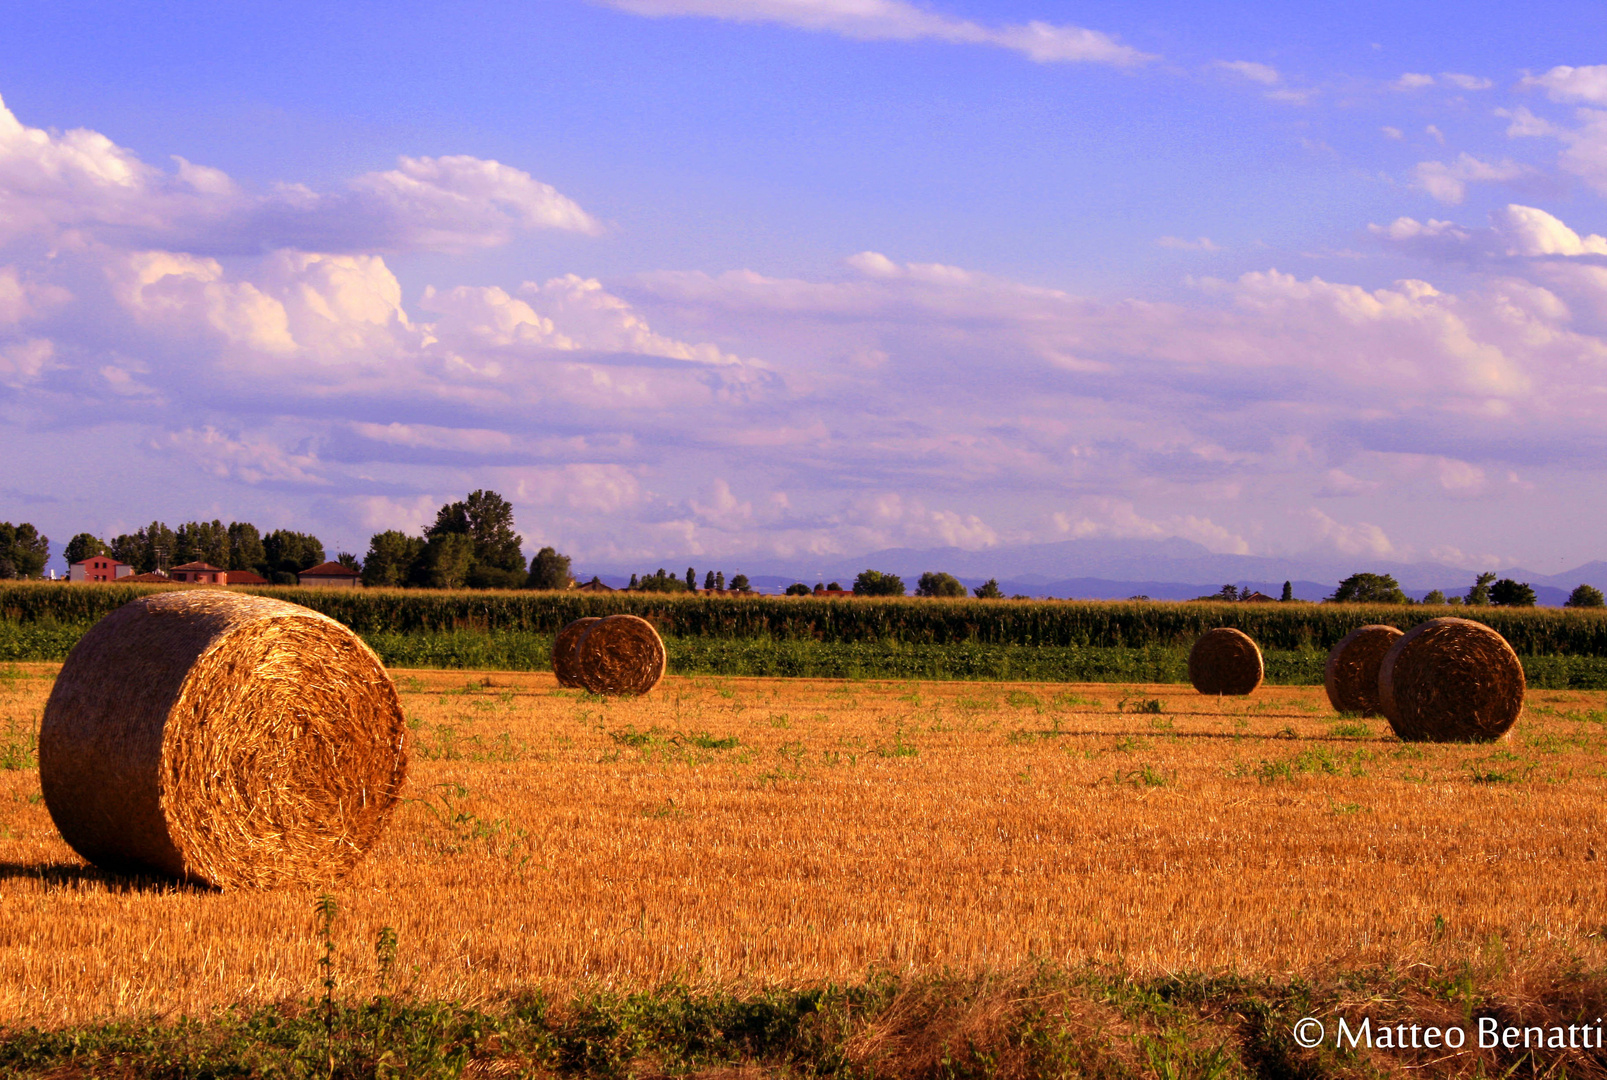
[330, 575]
[199, 573]
[99, 568]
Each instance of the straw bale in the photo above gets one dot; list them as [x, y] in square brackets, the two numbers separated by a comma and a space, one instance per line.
[1225, 661]
[620, 656]
[1351, 676]
[565, 661]
[1451, 680]
[223, 738]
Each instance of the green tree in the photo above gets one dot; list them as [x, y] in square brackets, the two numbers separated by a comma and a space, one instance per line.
[691, 579]
[446, 561]
[288, 553]
[392, 558]
[1585, 596]
[740, 583]
[245, 548]
[708, 580]
[84, 546]
[876, 583]
[1368, 589]
[1434, 596]
[938, 584]
[1288, 592]
[798, 588]
[147, 550]
[834, 587]
[202, 541]
[1509, 593]
[484, 516]
[719, 581]
[989, 590]
[548, 570]
[1479, 595]
[349, 561]
[661, 582]
[23, 551]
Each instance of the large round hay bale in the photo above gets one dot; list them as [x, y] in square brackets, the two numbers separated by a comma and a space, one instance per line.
[620, 656]
[223, 738]
[565, 660]
[1225, 661]
[1351, 676]
[1451, 680]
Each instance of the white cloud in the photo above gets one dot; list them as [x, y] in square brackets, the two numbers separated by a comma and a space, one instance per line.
[1530, 231]
[1203, 243]
[1361, 538]
[1392, 132]
[1264, 74]
[1435, 133]
[21, 299]
[1337, 484]
[1466, 82]
[897, 20]
[1448, 181]
[252, 459]
[81, 184]
[22, 362]
[1118, 519]
[1413, 81]
[1572, 84]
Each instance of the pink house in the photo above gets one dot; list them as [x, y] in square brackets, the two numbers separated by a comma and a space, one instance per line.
[98, 568]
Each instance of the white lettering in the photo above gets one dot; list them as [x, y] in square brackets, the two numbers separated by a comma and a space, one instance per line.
[1363, 1032]
[1431, 1038]
[1487, 1033]
[1557, 1040]
[1461, 1037]
[1509, 1038]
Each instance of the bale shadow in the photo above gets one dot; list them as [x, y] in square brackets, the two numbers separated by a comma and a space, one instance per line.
[79, 875]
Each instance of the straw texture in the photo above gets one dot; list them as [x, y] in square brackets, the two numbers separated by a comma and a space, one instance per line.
[1225, 661]
[620, 656]
[1351, 676]
[565, 660]
[223, 738]
[1451, 680]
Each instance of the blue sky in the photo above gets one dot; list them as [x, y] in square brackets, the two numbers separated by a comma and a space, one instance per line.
[709, 278]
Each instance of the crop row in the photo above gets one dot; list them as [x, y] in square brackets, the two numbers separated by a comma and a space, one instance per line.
[512, 650]
[1059, 623]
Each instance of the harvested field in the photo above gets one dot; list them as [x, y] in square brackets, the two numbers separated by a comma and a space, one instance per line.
[746, 832]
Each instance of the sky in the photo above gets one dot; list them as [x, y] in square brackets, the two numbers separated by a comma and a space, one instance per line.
[706, 279]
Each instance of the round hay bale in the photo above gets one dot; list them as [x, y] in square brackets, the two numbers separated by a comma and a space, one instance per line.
[1351, 676]
[1451, 680]
[1225, 661]
[565, 661]
[222, 738]
[620, 656]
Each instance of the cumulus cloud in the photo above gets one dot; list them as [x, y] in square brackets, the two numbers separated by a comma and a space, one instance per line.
[1515, 231]
[1361, 538]
[897, 20]
[1572, 84]
[1448, 181]
[81, 184]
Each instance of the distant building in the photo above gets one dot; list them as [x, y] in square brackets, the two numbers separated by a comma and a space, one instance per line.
[155, 577]
[247, 577]
[329, 575]
[199, 573]
[99, 568]
[594, 585]
[821, 590]
[1257, 597]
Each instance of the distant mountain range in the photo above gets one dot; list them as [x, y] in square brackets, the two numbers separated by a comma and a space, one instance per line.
[1172, 569]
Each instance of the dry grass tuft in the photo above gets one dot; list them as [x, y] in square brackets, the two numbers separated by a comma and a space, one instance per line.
[1225, 661]
[1451, 680]
[223, 739]
[1351, 676]
[620, 656]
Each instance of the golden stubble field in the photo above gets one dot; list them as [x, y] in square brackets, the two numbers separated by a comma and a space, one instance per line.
[751, 832]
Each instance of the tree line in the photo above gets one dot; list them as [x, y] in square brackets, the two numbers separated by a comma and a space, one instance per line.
[470, 545]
